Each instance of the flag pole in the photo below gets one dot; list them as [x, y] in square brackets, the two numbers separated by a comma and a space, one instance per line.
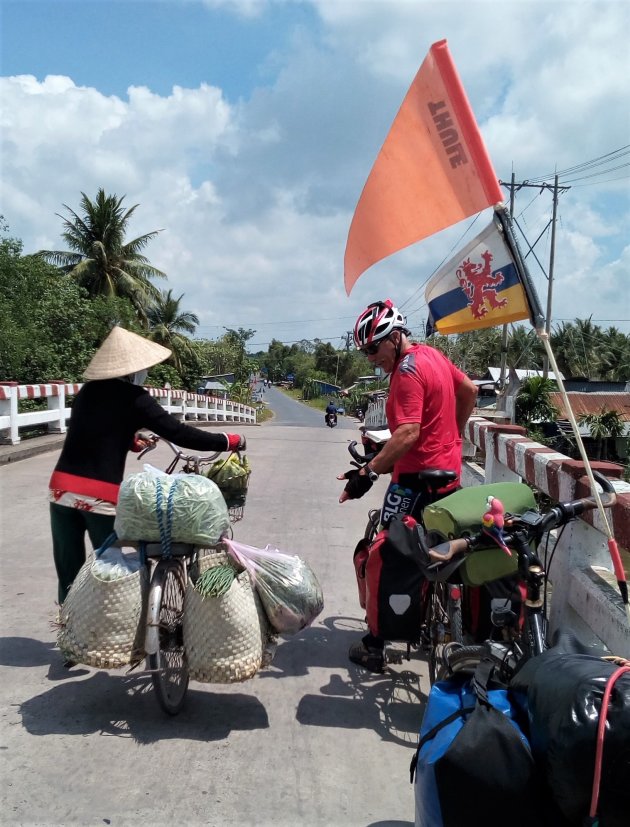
[612, 543]
[538, 321]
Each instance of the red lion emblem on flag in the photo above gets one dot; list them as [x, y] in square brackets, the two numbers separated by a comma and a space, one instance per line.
[480, 285]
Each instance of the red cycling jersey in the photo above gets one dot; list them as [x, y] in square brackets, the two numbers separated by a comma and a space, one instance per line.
[422, 389]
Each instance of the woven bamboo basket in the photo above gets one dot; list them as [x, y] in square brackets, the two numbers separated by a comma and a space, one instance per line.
[224, 636]
[102, 622]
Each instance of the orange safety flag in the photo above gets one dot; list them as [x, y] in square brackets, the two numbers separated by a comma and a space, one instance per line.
[432, 171]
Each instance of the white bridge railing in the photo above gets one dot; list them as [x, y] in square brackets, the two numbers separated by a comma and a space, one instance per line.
[182, 404]
[585, 594]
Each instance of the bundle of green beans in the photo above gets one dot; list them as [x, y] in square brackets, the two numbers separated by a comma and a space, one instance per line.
[215, 581]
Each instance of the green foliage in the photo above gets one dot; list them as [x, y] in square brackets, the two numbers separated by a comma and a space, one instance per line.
[603, 426]
[583, 349]
[100, 259]
[49, 327]
[533, 401]
[167, 325]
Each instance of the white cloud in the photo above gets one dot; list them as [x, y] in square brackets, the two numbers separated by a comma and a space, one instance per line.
[256, 198]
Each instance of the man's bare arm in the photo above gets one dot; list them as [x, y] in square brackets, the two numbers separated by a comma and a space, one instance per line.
[401, 441]
[465, 399]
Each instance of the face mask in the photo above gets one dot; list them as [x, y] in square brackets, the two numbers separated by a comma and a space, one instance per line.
[138, 377]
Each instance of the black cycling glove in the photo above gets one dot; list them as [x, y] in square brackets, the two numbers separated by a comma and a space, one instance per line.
[357, 485]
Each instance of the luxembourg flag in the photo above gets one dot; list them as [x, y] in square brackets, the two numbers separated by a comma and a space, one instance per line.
[484, 285]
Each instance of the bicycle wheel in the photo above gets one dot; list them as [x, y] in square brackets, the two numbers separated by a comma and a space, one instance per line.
[169, 671]
[444, 625]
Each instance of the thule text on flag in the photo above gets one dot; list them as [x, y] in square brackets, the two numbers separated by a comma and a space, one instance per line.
[432, 171]
[484, 285]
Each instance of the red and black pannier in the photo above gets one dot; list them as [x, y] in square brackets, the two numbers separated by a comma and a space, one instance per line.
[391, 582]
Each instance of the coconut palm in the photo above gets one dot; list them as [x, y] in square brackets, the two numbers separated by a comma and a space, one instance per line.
[603, 426]
[168, 323]
[100, 259]
[533, 401]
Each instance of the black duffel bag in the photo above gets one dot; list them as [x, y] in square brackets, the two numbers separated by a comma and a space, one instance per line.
[564, 689]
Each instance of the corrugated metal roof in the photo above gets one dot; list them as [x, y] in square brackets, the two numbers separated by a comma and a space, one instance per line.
[593, 403]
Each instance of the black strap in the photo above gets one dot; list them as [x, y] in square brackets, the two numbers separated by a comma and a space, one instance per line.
[428, 736]
[479, 683]
[481, 679]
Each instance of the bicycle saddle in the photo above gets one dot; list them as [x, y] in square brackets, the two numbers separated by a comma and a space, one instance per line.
[436, 478]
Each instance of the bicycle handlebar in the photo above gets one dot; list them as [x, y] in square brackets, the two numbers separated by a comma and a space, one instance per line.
[179, 454]
[531, 524]
[362, 459]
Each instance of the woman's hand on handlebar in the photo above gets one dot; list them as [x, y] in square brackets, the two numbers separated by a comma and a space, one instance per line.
[143, 443]
[236, 442]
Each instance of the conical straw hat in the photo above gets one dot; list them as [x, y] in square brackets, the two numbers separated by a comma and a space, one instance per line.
[122, 353]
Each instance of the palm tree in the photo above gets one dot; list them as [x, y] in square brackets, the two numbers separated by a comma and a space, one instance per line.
[604, 425]
[533, 402]
[167, 323]
[100, 259]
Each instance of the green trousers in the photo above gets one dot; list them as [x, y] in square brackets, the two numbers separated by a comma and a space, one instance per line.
[68, 527]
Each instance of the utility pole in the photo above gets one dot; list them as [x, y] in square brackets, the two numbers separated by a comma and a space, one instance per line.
[504, 332]
[551, 265]
[514, 187]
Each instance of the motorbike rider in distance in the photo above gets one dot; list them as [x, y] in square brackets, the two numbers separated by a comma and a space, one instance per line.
[331, 415]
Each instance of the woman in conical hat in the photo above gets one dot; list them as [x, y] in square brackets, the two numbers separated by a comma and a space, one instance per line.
[107, 412]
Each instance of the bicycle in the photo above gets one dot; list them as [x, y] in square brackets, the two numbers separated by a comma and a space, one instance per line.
[169, 565]
[519, 639]
[442, 621]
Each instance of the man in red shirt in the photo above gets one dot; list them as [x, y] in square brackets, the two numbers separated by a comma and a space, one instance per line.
[429, 403]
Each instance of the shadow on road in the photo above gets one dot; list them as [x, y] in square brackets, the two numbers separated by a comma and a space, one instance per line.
[125, 707]
[391, 704]
[391, 824]
[323, 646]
[122, 705]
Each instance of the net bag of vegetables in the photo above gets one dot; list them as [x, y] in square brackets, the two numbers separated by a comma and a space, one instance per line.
[191, 505]
[225, 628]
[102, 620]
[288, 587]
[231, 475]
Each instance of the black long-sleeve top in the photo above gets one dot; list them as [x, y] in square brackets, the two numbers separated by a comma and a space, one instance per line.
[105, 417]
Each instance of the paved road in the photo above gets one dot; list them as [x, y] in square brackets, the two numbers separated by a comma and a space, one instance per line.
[311, 740]
[289, 412]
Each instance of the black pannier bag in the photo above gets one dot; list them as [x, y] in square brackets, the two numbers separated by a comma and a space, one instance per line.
[563, 690]
[394, 583]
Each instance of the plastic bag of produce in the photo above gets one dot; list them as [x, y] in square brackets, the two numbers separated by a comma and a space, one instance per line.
[114, 564]
[287, 586]
[185, 508]
[232, 477]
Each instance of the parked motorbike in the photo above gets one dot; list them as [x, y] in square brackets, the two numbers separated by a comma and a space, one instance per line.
[359, 414]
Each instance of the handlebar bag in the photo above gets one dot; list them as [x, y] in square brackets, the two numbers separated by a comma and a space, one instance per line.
[564, 693]
[473, 765]
[394, 582]
[459, 515]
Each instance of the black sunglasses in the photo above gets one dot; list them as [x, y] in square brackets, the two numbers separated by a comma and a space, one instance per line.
[371, 350]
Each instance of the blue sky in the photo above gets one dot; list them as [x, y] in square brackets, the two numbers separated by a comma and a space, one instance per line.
[245, 129]
[157, 44]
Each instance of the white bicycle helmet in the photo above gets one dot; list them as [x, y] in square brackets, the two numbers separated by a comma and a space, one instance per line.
[376, 322]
